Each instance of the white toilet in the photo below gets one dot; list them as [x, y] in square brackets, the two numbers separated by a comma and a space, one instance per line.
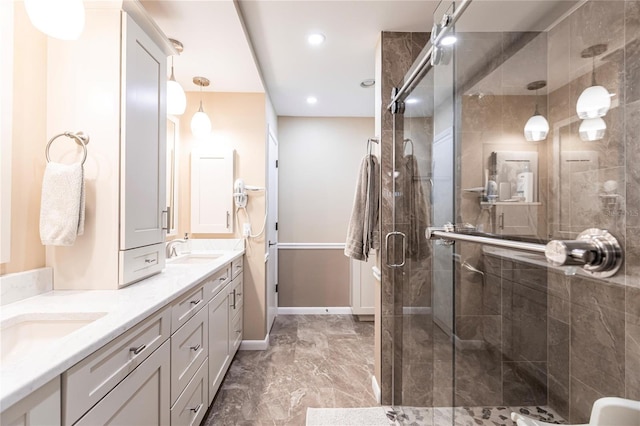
[605, 412]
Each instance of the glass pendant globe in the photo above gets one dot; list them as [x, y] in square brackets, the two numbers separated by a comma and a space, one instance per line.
[176, 98]
[536, 129]
[592, 129]
[61, 19]
[200, 124]
[593, 102]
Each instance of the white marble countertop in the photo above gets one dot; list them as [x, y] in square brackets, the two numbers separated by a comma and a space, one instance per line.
[123, 309]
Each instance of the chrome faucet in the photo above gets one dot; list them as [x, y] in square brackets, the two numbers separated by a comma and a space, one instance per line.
[171, 246]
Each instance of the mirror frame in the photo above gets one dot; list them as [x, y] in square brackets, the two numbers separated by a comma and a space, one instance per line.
[6, 136]
[173, 172]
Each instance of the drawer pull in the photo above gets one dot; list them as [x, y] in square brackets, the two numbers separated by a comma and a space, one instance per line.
[149, 261]
[223, 278]
[137, 350]
[239, 294]
[238, 331]
[195, 348]
[196, 302]
[195, 410]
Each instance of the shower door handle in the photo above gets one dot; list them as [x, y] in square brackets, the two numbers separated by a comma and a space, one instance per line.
[404, 248]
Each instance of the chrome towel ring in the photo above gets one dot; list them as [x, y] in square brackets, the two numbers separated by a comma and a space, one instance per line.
[81, 139]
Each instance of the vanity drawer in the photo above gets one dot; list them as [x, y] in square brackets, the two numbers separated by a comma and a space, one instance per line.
[186, 307]
[192, 405]
[236, 266]
[213, 285]
[87, 382]
[136, 264]
[236, 296]
[189, 348]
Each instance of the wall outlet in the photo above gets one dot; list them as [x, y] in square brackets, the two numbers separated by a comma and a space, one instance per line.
[246, 229]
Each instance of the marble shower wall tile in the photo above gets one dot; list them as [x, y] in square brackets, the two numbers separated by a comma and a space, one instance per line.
[632, 347]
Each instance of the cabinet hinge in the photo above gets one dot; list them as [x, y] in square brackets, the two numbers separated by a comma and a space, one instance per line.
[276, 164]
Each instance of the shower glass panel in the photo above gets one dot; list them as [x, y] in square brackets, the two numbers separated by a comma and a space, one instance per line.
[499, 141]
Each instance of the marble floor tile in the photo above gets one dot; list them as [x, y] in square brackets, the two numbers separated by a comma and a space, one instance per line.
[321, 361]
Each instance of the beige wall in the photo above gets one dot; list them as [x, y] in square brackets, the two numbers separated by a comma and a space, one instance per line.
[239, 122]
[29, 141]
[313, 278]
[319, 162]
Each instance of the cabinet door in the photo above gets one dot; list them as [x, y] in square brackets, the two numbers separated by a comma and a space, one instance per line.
[218, 340]
[143, 139]
[212, 192]
[41, 408]
[141, 399]
[517, 219]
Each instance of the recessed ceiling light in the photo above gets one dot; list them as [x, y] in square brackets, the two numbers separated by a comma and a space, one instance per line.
[369, 82]
[316, 39]
[312, 100]
[411, 101]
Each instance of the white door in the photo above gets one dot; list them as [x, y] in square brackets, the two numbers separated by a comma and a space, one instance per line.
[272, 230]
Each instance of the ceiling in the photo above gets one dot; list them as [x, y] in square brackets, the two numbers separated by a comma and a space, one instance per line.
[260, 45]
[216, 47]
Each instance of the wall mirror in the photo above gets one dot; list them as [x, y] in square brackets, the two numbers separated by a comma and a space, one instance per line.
[173, 172]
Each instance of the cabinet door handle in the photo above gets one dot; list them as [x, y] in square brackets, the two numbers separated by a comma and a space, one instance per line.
[195, 302]
[195, 348]
[195, 410]
[228, 217]
[501, 221]
[168, 212]
[137, 350]
[234, 299]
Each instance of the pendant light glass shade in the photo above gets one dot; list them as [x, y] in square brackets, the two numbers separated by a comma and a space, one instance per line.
[592, 129]
[61, 19]
[200, 123]
[593, 102]
[176, 98]
[536, 129]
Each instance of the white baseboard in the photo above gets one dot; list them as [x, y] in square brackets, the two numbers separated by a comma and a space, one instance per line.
[376, 389]
[339, 310]
[255, 345]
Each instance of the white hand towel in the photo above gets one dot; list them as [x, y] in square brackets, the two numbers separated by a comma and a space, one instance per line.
[62, 204]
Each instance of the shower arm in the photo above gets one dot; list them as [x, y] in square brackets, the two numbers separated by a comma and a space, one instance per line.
[596, 250]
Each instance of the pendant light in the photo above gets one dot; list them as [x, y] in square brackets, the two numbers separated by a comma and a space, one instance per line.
[176, 98]
[61, 19]
[595, 100]
[200, 122]
[592, 129]
[537, 127]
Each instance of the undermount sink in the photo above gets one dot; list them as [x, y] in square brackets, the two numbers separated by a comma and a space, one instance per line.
[30, 333]
[193, 259]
